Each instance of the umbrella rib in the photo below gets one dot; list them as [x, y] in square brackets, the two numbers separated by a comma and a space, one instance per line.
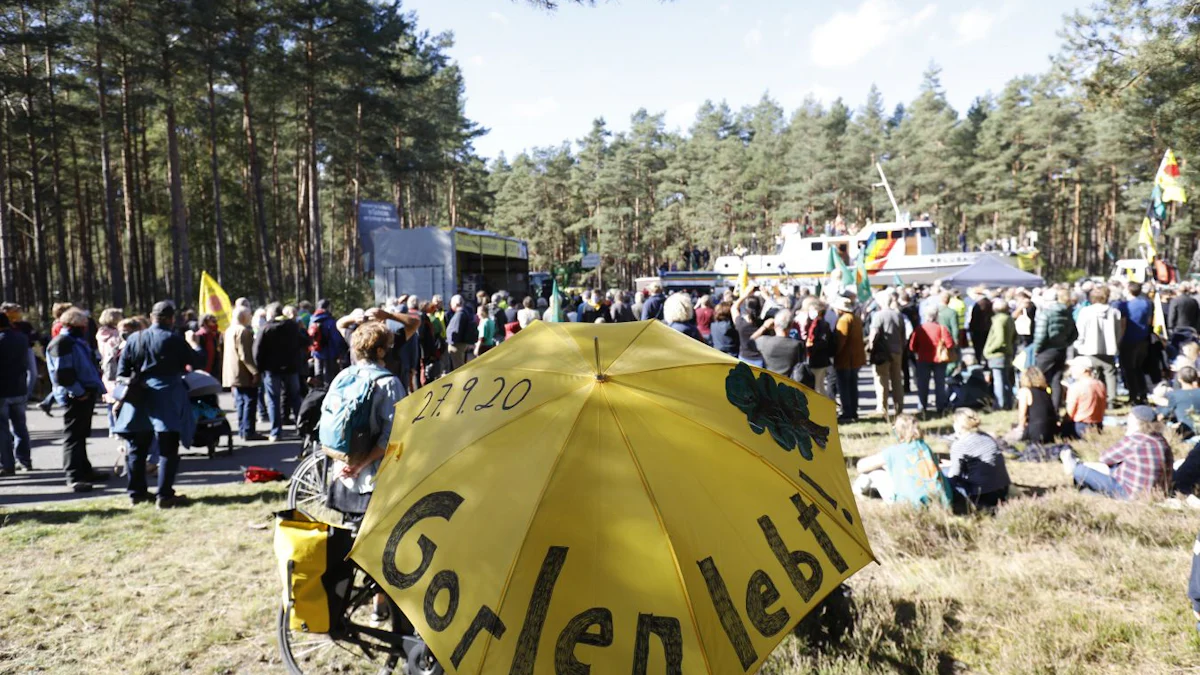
[757, 455]
[662, 526]
[629, 344]
[456, 453]
[529, 526]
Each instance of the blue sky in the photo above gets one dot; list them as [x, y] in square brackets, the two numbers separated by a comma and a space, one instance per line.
[537, 78]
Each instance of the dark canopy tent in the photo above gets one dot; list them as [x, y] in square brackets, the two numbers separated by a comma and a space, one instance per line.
[991, 272]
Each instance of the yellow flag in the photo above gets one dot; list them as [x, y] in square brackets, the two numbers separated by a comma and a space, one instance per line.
[213, 300]
[1167, 179]
[1159, 325]
[743, 280]
[1146, 238]
[1027, 262]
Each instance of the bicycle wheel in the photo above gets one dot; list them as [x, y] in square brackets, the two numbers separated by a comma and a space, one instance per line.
[308, 489]
[347, 650]
[421, 661]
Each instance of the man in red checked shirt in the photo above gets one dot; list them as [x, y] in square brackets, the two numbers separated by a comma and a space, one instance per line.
[1138, 464]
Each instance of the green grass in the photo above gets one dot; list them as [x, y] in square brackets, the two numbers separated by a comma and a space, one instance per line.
[1054, 582]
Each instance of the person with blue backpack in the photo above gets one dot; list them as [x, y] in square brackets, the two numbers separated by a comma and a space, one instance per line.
[356, 418]
[328, 346]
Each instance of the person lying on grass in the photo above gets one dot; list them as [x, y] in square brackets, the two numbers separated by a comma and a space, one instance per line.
[905, 472]
[1137, 465]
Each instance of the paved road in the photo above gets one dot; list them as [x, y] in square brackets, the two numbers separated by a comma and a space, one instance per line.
[47, 484]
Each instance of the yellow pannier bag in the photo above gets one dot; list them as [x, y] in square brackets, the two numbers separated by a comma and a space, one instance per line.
[313, 567]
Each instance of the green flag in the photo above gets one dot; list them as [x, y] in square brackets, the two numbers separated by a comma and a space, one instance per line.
[835, 263]
[863, 280]
[555, 305]
[896, 278]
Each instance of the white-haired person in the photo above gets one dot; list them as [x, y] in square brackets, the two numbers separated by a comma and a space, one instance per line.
[906, 472]
[240, 373]
[679, 315]
[461, 332]
[781, 353]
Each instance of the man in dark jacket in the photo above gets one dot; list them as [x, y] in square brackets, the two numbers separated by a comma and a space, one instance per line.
[1184, 310]
[461, 332]
[160, 358]
[15, 362]
[653, 307]
[77, 384]
[328, 345]
[1054, 331]
[275, 352]
[621, 311]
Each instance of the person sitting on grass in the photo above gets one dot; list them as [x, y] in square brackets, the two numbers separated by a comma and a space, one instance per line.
[1182, 405]
[906, 472]
[1137, 465]
[1035, 410]
[976, 466]
[1087, 400]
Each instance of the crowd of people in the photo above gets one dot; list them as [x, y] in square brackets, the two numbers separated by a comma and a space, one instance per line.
[1056, 355]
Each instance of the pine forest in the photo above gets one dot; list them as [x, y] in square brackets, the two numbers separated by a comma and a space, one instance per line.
[143, 141]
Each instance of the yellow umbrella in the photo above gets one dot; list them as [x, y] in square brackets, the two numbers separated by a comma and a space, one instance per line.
[615, 497]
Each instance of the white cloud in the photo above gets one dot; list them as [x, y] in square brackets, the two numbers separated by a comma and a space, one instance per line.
[681, 115]
[498, 17]
[973, 25]
[847, 37]
[542, 107]
[476, 60]
[753, 38]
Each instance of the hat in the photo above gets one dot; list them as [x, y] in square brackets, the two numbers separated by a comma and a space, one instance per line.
[358, 315]
[843, 304]
[1143, 413]
[163, 308]
[1080, 361]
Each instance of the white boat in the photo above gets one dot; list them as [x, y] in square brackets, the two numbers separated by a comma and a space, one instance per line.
[904, 251]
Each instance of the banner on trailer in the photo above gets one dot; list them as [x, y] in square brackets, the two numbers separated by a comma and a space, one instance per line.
[374, 216]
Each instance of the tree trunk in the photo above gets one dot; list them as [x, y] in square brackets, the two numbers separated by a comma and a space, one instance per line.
[60, 233]
[218, 224]
[314, 189]
[260, 210]
[137, 292]
[84, 224]
[353, 259]
[8, 276]
[1075, 224]
[116, 273]
[182, 260]
[42, 285]
[150, 275]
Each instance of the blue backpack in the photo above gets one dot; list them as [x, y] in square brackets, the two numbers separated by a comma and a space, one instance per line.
[346, 411]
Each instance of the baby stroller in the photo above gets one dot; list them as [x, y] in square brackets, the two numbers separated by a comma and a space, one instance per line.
[309, 417]
[211, 425]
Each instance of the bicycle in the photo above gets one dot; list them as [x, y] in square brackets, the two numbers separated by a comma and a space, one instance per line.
[352, 645]
[308, 488]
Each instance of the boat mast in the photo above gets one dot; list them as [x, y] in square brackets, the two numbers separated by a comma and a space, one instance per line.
[891, 197]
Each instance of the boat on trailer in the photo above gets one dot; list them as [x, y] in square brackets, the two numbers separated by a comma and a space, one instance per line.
[903, 251]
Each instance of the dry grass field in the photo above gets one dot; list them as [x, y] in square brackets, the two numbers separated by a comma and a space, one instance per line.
[1054, 582]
